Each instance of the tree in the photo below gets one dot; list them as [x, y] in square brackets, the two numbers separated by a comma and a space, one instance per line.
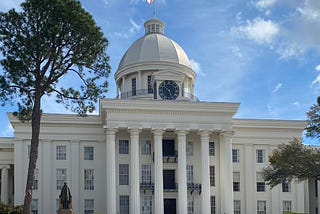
[313, 128]
[293, 161]
[40, 45]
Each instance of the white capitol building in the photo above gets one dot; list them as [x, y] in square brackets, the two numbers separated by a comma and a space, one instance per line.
[155, 148]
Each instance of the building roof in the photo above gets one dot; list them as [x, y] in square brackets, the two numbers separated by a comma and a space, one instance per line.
[154, 46]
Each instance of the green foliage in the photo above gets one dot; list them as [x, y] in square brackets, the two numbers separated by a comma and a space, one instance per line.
[293, 161]
[7, 209]
[313, 128]
[43, 43]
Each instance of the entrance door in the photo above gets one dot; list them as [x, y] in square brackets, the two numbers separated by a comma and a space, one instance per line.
[169, 179]
[170, 206]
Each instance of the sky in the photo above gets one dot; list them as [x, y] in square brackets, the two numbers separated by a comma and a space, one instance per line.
[264, 54]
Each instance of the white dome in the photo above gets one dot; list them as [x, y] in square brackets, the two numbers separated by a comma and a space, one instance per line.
[154, 47]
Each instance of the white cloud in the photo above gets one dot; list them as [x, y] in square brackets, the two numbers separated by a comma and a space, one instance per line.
[296, 104]
[258, 30]
[277, 88]
[6, 5]
[264, 4]
[316, 81]
[290, 50]
[318, 67]
[8, 131]
[197, 68]
[131, 32]
[311, 10]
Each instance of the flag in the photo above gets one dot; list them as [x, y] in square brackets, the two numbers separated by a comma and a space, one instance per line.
[150, 1]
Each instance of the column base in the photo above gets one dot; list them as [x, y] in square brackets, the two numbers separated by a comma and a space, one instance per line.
[65, 211]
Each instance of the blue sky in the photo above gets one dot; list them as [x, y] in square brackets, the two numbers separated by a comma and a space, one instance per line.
[264, 54]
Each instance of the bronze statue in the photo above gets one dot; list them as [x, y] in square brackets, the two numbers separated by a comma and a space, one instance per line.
[65, 197]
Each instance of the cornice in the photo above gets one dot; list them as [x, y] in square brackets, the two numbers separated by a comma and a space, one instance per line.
[269, 124]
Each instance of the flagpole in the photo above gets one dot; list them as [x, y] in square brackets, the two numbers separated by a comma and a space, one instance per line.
[154, 9]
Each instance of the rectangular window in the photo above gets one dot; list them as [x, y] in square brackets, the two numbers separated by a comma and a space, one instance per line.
[124, 204]
[213, 204]
[211, 148]
[189, 149]
[286, 206]
[88, 152]
[146, 174]
[235, 155]
[123, 174]
[261, 187]
[190, 204]
[61, 152]
[88, 206]
[89, 179]
[261, 207]
[134, 86]
[260, 155]
[61, 174]
[189, 174]
[34, 206]
[150, 91]
[212, 176]
[123, 147]
[35, 181]
[237, 206]
[286, 186]
[236, 181]
[146, 147]
[146, 204]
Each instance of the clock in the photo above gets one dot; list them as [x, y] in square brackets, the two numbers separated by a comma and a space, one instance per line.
[168, 90]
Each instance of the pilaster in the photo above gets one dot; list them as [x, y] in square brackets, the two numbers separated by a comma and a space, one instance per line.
[5, 183]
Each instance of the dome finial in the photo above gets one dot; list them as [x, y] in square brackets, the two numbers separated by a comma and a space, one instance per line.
[154, 26]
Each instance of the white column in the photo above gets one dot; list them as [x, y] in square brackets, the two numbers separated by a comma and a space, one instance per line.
[226, 172]
[139, 81]
[134, 171]
[249, 176]
[111, 171]
[47, 183]
[182, 173]
[158, 173]
[5, 184]
[19, 172]
[205, 175]
[75, 174]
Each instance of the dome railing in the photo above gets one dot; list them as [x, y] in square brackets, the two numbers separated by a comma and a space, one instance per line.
[149, 93]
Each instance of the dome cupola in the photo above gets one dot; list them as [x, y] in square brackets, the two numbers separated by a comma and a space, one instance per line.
[151, 60]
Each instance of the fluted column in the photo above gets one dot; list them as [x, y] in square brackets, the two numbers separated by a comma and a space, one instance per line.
[182, 172]
[111, 171]
[205, 175]
[226, 172]
[134, 178]
[5, 184]
[158, 172]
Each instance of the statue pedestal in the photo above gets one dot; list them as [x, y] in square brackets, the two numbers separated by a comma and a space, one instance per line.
[65, 211]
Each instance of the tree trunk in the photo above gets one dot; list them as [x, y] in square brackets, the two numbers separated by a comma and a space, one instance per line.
[35, 124]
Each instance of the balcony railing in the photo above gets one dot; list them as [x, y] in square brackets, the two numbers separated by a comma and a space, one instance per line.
[194, 186]
[170, 188]
[149, 93]
[147, 186]
[170, 158]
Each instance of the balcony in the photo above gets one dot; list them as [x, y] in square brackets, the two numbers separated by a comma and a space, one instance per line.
[194, 187]
[147, 187]
[149, 93]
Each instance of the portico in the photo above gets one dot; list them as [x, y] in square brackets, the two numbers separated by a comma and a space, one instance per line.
[184, 126]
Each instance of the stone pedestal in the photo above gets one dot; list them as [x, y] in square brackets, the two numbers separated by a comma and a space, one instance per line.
[65, 211]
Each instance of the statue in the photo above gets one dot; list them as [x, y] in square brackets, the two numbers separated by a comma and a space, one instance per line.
[65, 199]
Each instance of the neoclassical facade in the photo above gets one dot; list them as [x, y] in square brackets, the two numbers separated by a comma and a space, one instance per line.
[155, 148]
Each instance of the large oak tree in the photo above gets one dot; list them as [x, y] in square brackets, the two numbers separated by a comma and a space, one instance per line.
[40, 45]
[313, 128]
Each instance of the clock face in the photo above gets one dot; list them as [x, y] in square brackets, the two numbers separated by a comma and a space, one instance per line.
[168, 90]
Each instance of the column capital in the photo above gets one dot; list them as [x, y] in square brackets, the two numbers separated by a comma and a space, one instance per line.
[204, 133]
[134, 130]
[181, 132]
[6, 166]
[228, 133]
[110, 131]
[158, 132]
